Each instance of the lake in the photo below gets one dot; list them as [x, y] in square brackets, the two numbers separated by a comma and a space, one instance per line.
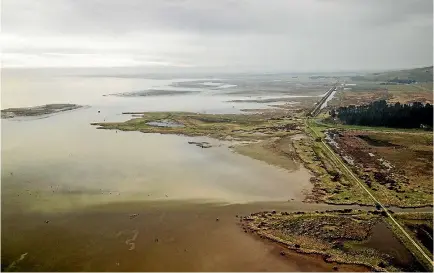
[69, 189]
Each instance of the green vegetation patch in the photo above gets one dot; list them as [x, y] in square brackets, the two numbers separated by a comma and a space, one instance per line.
[395, 164]
[331, 184]
[396, 167]
[220, 126]
[38, 110]
[343, 236]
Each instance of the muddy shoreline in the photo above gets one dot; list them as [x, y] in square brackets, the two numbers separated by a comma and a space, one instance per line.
[343, 236]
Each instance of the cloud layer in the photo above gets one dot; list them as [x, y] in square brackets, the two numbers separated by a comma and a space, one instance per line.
[236, 35]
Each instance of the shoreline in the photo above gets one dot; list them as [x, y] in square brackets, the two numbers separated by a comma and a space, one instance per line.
[331, 185]
[275, 226]
[266, 136]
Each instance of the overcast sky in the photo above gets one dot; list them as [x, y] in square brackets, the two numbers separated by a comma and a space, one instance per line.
[227, 35]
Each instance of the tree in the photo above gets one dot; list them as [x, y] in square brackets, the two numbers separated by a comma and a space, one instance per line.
[379, 113]
[333, 113]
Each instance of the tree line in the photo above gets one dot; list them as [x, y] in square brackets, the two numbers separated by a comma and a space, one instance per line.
[403, 81]
[379, 113]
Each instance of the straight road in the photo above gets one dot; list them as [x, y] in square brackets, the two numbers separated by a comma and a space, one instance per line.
[317, 107]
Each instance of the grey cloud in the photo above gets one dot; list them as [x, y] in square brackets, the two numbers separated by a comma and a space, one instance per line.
[201, 16]
[278, 34]
[401, 11]
[128, 16]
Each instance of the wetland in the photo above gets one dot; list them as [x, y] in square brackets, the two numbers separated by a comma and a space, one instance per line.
[216, 180]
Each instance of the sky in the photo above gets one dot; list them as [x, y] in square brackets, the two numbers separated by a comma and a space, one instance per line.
[223, 35]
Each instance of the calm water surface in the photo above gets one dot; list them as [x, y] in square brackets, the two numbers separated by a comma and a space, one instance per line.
[68, 189]
[62, 158]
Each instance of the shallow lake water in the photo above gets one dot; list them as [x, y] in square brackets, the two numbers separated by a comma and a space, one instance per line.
[69, 189]
[63, 159]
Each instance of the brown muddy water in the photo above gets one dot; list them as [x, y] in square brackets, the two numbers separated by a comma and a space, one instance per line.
[383, 240]
[147, 236]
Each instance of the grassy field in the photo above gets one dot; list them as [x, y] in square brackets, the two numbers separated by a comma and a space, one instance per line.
[240, 127]
[323, 122]
[349, 97]
[367, 93]
[395, 164]
[412, 161]
[331, 184]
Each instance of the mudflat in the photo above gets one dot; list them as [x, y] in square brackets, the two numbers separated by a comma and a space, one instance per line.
[148, 236]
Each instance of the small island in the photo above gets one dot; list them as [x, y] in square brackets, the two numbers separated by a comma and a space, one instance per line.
[38, 110]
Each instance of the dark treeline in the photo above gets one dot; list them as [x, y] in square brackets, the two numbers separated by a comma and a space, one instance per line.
[379, 113]
[405, 81]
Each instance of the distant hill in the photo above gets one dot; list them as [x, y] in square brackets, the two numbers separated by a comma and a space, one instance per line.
[423, 74]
